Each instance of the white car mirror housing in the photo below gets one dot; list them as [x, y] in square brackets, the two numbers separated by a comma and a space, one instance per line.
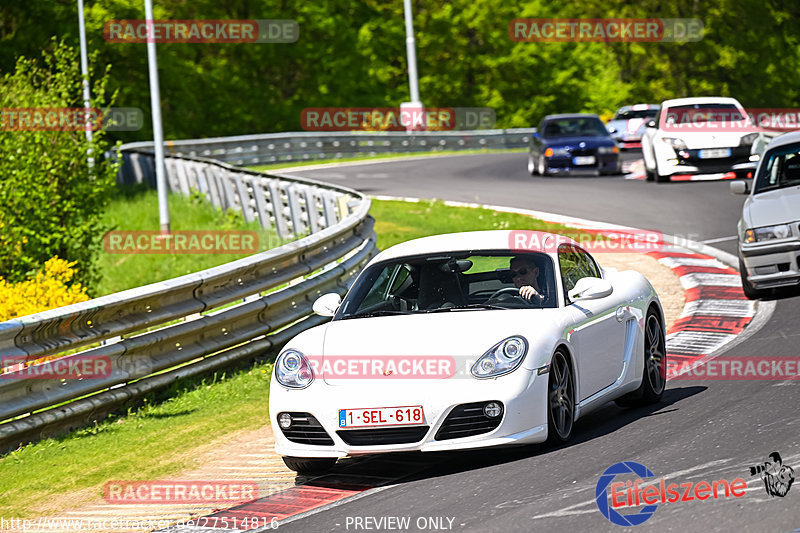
[650, 124]
[739, 187]
[327, 304]
[590, 289]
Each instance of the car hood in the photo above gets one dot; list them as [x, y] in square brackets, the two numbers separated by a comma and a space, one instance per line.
[573, 142]
[772, 207]
[628, 126]
[459, 337]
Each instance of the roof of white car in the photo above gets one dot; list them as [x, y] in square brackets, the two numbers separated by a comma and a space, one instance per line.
[472, 240]
[700, 100]
[782, 140]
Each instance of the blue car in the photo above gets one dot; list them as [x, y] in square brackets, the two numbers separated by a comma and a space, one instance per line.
[575, 142]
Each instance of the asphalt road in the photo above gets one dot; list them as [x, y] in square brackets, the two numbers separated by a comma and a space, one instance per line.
[707, 430]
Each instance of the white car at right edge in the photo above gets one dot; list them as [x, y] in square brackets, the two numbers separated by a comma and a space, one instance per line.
[704, 135]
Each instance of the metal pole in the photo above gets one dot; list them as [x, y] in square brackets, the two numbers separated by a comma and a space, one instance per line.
[155, 106]
[411, 52]
[85, 73]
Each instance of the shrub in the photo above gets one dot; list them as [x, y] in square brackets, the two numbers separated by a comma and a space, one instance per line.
[51, 197]
[48, 289]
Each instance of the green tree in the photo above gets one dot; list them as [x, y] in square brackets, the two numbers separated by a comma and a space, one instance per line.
[50, 195]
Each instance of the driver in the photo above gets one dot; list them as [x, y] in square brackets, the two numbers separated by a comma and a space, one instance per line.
[524, 273]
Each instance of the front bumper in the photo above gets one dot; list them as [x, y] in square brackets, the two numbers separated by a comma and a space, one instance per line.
[690, 162]
[771, 265]
[524, 418]
[603, 163]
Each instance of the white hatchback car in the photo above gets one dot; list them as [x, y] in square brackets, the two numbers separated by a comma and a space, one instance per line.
[466, 340]
[708, 135]
[769, 230]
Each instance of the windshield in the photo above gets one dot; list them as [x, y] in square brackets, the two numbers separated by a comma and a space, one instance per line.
[452, 282]
[575, 127]
[701, 113]
[780, 169]
[630, 113]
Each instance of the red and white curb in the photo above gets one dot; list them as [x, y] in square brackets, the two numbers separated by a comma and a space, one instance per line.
[715, 315]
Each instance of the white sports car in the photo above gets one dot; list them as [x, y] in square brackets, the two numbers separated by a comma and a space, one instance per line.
[466, 340]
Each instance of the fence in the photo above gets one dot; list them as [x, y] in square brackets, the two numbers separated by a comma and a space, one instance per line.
[151, 336]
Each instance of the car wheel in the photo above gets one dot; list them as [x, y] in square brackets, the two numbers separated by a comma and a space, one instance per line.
[749, 290]
[649, 175]
[542, 167]
[560, 400]
[654, 374]
[532, 166]
[310, 465]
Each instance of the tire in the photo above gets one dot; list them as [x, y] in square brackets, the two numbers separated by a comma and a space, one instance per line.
[749, 290]
[542, 167]
[654, 373]
[310, 465]
[649, 175]
[560, 400]
[532, 166]
[658, 177]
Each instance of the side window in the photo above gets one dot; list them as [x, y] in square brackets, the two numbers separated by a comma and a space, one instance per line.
[575, 264]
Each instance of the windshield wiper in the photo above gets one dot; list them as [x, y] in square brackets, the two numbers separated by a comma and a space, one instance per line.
[382, 312]
[470, 306]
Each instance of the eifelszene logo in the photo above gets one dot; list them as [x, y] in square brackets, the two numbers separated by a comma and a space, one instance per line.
[636, 492]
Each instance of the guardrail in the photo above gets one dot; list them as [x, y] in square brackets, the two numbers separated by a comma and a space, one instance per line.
[148, 337]
[248, 150]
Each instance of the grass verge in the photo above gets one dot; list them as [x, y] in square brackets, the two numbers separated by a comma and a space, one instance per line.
[136, 209]
[176, 422]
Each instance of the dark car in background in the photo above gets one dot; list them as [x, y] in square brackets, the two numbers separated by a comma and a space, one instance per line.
[628, 124]
[572, 142]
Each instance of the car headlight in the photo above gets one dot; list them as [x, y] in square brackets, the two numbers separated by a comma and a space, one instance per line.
[750, 138]
[612, 129]
[767, 233]
[608, 150]
[550, 152]
[292, 370]
[502, 358]
[676, 143]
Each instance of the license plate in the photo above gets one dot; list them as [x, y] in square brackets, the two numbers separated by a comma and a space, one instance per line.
[583, 160]
[714, 153]
[408, 415]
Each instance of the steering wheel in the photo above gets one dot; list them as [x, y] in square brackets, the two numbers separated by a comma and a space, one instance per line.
[513, 291]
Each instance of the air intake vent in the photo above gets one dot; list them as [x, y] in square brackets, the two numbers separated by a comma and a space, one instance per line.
[305, 429]
[467, 420]
[382, 436]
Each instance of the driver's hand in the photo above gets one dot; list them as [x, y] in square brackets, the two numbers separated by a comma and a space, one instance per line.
[529, 293]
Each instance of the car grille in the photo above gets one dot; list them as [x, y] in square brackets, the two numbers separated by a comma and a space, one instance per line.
[306, 429]
[371, 437]
[467, 420]
[581, 151]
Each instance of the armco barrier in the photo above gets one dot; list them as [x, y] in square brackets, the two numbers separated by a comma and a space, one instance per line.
[158, 333]
[269, 148]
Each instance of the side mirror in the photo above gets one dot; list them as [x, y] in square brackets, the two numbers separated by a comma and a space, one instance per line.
[650, 123]
[739, 187]
[590, 289]
[535, 135]
[327, 304]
